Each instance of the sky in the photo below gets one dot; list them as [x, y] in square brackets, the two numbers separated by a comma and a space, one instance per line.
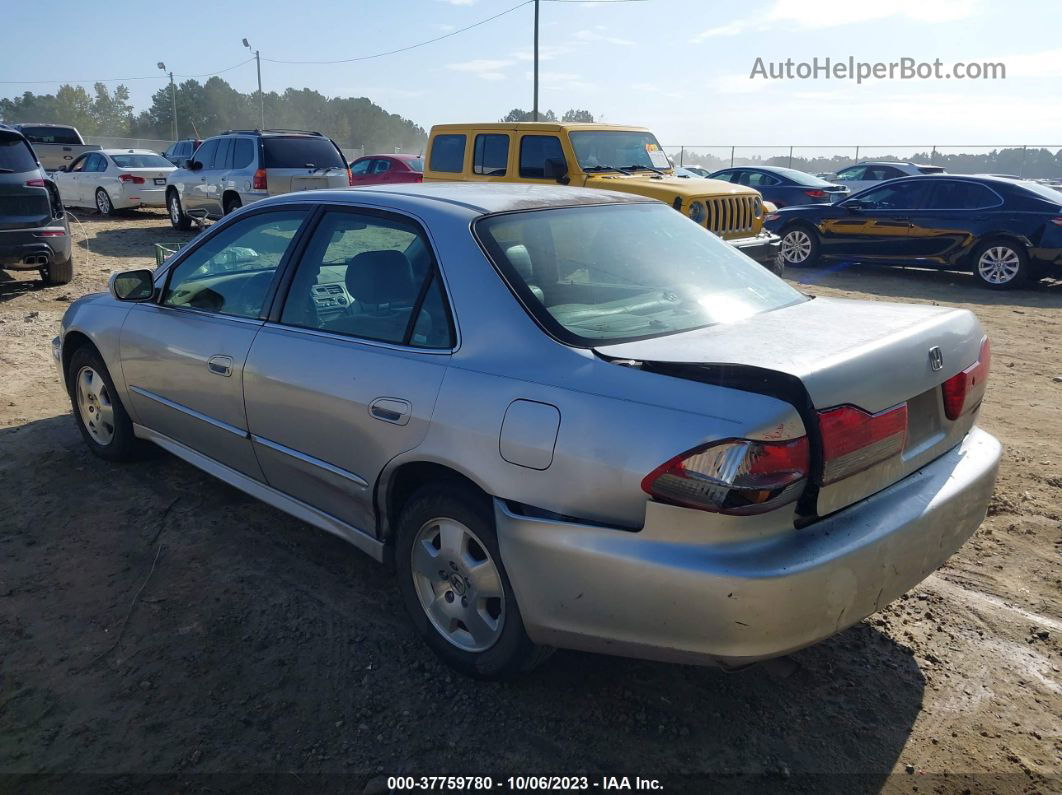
[680, 67]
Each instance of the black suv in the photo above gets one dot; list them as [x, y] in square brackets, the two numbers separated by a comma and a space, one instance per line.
[34, 234]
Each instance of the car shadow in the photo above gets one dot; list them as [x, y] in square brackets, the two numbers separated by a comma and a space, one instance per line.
[134, 242]
[240, 639]
[909, 283]
[26, 282]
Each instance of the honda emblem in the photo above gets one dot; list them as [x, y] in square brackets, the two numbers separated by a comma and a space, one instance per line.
[936, 358]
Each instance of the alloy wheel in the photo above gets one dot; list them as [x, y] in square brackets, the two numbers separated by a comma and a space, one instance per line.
[458, 584]
[999, 265]
[103, 202]
[94, 404]
[796, 246]
[175, 209]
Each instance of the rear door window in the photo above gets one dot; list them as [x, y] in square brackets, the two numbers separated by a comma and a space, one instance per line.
[491, 155]
[535, 150]
[379, 166]
[15, 155]
[223, 156]
[448, 154]
[242, 153]
[301, 151]
[758, 179]
[956, 195]
[52, 135]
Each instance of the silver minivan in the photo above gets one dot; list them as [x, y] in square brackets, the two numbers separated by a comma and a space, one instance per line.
[239, 167]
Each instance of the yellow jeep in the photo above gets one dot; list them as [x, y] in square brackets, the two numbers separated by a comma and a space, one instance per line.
[608, 156]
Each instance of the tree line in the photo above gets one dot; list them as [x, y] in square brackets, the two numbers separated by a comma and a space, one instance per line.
[205, 109]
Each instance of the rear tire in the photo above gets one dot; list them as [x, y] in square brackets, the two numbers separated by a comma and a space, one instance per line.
[799, 247]
[104, 205]
[455, 588]
[1001, 265]
[58, 272]
[178, 220]
[232, 204]
[102, 419]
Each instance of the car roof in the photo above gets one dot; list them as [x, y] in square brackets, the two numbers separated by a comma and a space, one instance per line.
[539, 126]
[390, 155]
[478, 197]
[129, 152]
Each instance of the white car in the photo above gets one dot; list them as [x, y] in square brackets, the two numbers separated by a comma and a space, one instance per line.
[115, 179]
[868, 174]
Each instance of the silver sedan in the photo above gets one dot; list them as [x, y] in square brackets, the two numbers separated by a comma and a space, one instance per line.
[570, 418]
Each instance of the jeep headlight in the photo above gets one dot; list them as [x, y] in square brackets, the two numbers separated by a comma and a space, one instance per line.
[698, 212]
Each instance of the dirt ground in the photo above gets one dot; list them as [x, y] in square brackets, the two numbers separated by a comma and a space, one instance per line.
[262, 647]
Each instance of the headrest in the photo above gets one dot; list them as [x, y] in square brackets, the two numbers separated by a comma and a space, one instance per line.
[380, 277]
[520, 260]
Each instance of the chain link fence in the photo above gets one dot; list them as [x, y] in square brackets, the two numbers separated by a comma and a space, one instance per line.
[161, 145]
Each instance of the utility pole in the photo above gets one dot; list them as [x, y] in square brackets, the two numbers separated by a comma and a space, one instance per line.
[261, 96]
[173, 98]
[534, 110]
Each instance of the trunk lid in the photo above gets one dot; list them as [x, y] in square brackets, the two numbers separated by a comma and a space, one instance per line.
[869, 354]
[23, 206]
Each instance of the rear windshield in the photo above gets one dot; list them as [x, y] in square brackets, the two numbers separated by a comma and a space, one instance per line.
[416, 165]
[52, 135]
[621, 272]
[15, 156]
[802, 178]
[141, 161]
[302, 152]
[930, 169]
[1043, 191]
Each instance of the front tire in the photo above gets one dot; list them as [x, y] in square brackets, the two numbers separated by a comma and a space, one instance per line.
[102, 419]
[104, 205]
[455, 588]
[799, 247]
[1001, 264]
[178, 220]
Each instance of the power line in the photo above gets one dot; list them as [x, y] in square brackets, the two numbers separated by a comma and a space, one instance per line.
[411, 46]
[122, 79]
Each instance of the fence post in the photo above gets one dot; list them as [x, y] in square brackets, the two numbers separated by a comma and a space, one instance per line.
[790, 157]
[857, 154]
[1021, 168]
[682, 156]
[731, 157]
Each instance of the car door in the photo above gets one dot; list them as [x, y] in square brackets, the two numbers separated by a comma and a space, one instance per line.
[954, 215]
[215, 173]
[876, 225]
[183, 356]
[69, 182]
[853, 178]
[345, 374]
[195, 182]
[360, 170]
[382, 171]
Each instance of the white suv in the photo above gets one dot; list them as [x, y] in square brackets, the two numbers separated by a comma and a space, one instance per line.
[868, 174]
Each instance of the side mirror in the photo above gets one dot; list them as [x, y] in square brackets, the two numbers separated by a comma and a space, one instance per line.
[854, 204]
[556, 168]
[193, 165]
[136, 285]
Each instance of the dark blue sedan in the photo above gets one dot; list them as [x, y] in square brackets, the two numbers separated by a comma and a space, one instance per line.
[784, 187]
[1007, 232]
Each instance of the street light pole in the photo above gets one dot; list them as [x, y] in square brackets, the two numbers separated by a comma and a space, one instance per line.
[173, 99]
[261, 96]
[534, 111]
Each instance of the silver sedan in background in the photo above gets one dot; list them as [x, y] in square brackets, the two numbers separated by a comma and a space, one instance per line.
[570, 418]
[115, 179]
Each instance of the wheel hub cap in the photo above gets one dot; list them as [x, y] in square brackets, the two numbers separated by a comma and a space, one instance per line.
[94, 405]
[458, 584]
[796, 247]
[999, 265]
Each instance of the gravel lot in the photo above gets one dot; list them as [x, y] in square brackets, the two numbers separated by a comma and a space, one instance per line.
[259, 645]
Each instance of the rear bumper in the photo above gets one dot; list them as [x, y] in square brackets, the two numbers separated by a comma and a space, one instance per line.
[1048, 258]
[763, 248]
[22, 249]
[141, 196]
[674, 592]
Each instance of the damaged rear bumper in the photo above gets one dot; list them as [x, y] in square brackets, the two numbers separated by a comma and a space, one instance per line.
[688, 588]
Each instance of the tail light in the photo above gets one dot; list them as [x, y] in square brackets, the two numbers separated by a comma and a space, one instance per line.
[130, 179]
[52, 232]
[854, 440]
[36, 183]
[968, 387]
[350, 178]
[815, 194]
[733, 476]
[1057, 221]
[258, 182]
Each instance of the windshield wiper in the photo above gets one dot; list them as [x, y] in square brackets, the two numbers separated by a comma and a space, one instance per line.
[647, 168]
[606, 168]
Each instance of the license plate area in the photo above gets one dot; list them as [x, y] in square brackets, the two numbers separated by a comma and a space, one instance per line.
[160, 180]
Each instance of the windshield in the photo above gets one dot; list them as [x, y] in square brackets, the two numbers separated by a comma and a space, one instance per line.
[620, 272]
[600, 150]
[141, 161]
[304, 151]
[52, 135]
[15, 155]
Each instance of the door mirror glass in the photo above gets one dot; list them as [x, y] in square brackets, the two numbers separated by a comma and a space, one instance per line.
[194, 165]
[135, 285]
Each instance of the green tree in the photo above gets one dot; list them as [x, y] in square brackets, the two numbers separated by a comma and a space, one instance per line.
[577, 115]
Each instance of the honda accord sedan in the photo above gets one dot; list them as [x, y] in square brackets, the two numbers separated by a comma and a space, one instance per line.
[569, 418]
[1007, 232]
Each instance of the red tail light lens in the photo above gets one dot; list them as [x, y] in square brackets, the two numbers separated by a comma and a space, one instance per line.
[733, 476]
[854, 440]
[130, 179]
[1057, 221]
[36, 183]
[350, 177]
[966, 389]
[815, 194]
[258, 182]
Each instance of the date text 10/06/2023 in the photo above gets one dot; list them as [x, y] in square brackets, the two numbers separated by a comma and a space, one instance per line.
[529, 783]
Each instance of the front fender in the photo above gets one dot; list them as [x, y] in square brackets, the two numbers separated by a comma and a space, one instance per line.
[97, 318]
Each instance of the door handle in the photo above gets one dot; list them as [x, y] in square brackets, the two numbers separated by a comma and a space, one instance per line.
[393, 410]
[220, 365]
